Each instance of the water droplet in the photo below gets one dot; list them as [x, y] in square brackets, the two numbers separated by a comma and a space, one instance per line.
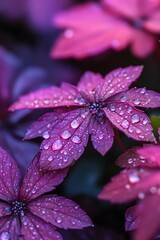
[145, 121]
[112, 108]
[121, 112]
[50, 158]
[123, 99]
[136, 101]
[135, 118]
[57, 145]
[46, 135]
[46, 146]
[69, 33]
[76, 139]
[143, 90]
[46, 101]
[130, 129]
[5, 236]
[130, 160]
[138, 131]
[59, 219]
[133, 177]
[43, 211]
[125, 124]
[65, 134]
[127, 186]
[74, 123]
[101, 136]
[153, 190]
[141, 195]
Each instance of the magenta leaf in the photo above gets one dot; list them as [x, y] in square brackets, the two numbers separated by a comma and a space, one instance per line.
[35, 228]
[150, 152]
[46, 98]
[60, 212]
[80, 40]
[149, 217]
[67, 140]
[9, 178]
[118, 80]
[130, 184]
[134, 123]
[37, 181]
[131, 159]
[140, 97]
[101, 135]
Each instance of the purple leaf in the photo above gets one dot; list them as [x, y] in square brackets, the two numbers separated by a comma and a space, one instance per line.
[101, 135]
[44, 124]
[118, 80]
[139, 97]
[67, 140]
[34, 228]
[131, 159]
[37, 181]
[60, 212]
[9, 228]
[130, 184]
[47, 98]
[9, 178]
[134, 123]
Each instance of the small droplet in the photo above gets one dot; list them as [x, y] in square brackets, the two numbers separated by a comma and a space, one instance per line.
[135, 118]
[76, 139]
[50, 158]
[127, 186]
[130, 129]
[65, 134]
[133, 177]
[57, 145]
[141, 195]
[143, 90]
[136, 101]
[125, 124]
[101, 136]
[69, 33]
[145, 121]
[59, 219]
[46, 101]
[123, 99]
[138, 131]
[130, 160]
[46, 146]
[153, 190]
[74, 124]
[5, 236]
[112, 108]
[46, 135]
[121, 112]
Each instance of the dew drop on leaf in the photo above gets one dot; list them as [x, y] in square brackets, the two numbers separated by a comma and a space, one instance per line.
[133, 177]
[135, 118]
[65, 134]
[74, 124]
[57, 145]
[5, 236]
[59, 219]
[46, 135]
[76, 139]
[125, 124]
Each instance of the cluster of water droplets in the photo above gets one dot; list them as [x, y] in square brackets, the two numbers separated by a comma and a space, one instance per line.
[5, 236]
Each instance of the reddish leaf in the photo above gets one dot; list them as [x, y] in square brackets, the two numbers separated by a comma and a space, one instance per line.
[61, 212]
[149, 217]
[101, 135]
[38, 181]
[133, 122]
[67, 140]
[34, 228]
[131, 159]
[131, 184]
[150, 152]
[9, 178]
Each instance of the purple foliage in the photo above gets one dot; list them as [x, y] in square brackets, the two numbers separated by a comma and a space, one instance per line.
[28, 214]
[94, 107]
